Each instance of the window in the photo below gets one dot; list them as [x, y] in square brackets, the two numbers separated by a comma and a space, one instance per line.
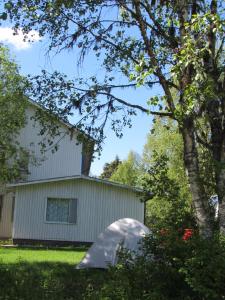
[1, 206]
[60, 210]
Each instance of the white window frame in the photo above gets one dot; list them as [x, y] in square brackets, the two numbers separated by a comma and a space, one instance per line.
[58, 222]
[2, 205]
[13, 208]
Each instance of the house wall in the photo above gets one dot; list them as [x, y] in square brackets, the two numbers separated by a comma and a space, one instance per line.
[6, 217]
[98, 206]
[66, 161]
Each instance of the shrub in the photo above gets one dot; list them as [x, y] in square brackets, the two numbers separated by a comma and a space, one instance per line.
[170, 267]
[176, 263]
[204, 268]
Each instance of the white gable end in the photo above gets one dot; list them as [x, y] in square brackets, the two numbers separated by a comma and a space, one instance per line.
[66, 161]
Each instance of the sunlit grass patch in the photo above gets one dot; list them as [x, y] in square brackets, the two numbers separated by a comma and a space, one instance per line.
[63, 255]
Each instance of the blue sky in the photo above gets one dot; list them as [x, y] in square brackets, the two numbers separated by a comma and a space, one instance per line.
[33, 58]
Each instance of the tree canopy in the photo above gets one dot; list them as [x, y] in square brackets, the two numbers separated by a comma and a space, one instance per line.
[128, 171]
[110, 168]
[165, 139]
[13, 158]
[165, 175]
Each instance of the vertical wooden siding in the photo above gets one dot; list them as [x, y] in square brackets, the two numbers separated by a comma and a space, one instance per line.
[64, 162]
[98, 206]
[6, 218]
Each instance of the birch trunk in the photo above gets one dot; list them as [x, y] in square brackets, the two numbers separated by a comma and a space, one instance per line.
[199, 198]
[221, 190]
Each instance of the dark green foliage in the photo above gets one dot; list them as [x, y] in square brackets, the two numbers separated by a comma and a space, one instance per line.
[110, 168]
[170, 206]
[50, 281]
[204, 268]
[170, 269]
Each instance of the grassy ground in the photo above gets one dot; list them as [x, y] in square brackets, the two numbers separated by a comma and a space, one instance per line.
[41, 274]
[13, 255]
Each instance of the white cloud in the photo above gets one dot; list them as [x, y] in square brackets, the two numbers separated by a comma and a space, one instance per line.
[7, 36]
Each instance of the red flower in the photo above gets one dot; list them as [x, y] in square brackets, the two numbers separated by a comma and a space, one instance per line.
[187, 234]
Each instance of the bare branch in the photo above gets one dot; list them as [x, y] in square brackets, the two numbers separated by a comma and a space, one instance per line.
[100, 37]
[114, 86]
[141, 108]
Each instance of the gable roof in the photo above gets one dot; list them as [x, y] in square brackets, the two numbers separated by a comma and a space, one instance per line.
[75, 177]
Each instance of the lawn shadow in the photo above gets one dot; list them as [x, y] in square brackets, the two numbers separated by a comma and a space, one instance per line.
[47, 280]
[59, 248]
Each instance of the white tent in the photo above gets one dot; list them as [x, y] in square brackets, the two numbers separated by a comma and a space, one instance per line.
[124, 232]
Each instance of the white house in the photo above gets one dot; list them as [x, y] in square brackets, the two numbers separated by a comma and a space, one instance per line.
[57, 202]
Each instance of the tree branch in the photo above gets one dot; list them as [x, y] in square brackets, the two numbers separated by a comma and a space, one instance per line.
[141, 108]
[172, 40]
[85, 28]
[203, 143]
[151, 54]
[128, 104]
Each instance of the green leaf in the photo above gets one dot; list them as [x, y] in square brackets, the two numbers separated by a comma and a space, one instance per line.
[3, 16]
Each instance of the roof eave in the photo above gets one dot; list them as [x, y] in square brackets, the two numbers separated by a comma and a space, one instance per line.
[83, 177]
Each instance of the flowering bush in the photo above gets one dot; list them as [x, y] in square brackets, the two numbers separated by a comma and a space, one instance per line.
[187, 234]
[176, 263]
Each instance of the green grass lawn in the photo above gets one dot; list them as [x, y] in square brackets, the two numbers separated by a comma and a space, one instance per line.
[46, 274]
[63, 255]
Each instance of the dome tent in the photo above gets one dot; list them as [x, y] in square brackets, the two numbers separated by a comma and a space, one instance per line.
[124, 232]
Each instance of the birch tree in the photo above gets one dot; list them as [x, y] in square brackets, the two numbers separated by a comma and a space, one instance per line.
[13, 157]
[177, 44]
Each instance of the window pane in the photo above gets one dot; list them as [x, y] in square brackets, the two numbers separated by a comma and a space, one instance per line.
[57, 210]
[73, 211]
